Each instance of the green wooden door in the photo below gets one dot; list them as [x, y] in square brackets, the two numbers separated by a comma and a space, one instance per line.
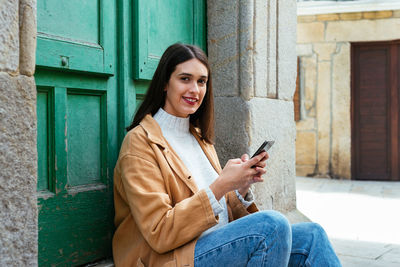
[76, 107]
[160, 23]
[94, 62]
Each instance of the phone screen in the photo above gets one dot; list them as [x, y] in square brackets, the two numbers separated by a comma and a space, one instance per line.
[264, 147]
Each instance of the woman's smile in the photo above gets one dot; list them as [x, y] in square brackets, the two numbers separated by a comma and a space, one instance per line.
[190, 100]
[186, 88]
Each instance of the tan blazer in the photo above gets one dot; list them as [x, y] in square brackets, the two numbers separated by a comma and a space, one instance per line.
[159, 211]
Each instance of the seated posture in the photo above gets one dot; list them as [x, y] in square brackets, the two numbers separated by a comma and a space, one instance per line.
[176, 206]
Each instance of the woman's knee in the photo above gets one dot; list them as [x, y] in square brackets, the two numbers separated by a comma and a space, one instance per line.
[314, 230]
[317, 230]
[280, 223]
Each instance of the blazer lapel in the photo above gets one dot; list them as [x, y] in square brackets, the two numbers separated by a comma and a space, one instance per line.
[179, 168]
[155, 135]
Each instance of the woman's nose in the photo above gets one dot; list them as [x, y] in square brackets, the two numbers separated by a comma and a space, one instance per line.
[194, 87]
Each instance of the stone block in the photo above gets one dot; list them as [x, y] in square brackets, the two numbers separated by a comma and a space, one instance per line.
[327, 17]
[310, 32]
[305, 170]
[261, 55]
[306, 124]
[222, 46]
[324, 116]
[27, 36]
[396, 13]
[306, 148]
[311, 111]
[9, 39]
[304, 50]
[242, 120]
[246, 49]
[273, 120]
[306, 19]
[295, 216]
[18, 178]
[392, 256]
[287, 58]
[309, 105]
[272, 44]
[341, 118]
[231, 127]
[378, 14]
[308, 71]
[361, 249]
[363, 30]
[351, 16]
[324, 50]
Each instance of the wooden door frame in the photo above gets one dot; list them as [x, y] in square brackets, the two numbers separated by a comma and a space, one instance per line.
[394, 101]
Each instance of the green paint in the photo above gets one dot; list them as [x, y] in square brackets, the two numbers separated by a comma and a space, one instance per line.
[84, 139]
[73, 19]
[42, 139]
[76, 35]
[77, 229]
[160, 23]
[82, 196]
[87, 95]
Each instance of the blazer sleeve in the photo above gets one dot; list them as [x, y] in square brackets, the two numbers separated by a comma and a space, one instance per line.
[236, 209]
[164, 226]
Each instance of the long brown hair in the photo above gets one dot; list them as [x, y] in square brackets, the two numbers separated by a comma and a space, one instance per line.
[176, 54]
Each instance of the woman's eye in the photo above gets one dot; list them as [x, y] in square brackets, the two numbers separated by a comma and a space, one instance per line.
[185, 79]
[202, 81]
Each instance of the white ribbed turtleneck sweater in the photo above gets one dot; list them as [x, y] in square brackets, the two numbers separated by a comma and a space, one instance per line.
[176, 132]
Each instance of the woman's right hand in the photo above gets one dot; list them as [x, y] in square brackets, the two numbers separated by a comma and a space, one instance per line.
[237, 174]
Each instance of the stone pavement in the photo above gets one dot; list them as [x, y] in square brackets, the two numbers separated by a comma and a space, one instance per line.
[362, 218]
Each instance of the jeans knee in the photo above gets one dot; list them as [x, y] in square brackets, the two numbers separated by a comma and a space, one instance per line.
[317, 230]
[282, 226]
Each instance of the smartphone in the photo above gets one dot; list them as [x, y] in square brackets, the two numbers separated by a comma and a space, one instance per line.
[264, 147]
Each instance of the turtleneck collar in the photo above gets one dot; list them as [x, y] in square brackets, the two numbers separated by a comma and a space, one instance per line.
[171, 123]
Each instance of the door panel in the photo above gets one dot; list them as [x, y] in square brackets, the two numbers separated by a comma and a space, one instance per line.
[75, 204]
[374, 143]
[44, 140]
[68, 24]
[75, 35]
[85, 120]
[77, 96]
[160, 23]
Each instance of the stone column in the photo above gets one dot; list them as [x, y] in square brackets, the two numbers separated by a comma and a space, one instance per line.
[18, 156]
[252, 51]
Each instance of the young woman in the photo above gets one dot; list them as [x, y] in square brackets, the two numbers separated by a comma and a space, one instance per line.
[175, 206]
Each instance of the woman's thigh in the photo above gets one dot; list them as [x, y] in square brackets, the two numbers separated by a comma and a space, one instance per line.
[254, 239]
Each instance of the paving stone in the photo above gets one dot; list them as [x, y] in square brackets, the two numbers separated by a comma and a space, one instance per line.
[393, 256]
[349, 261]
[358, 217]
[354, 248]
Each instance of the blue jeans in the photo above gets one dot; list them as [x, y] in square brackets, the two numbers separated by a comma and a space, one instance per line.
[265, 238]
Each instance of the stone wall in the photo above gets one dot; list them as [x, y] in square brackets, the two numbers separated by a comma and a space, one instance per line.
[251, 47]
[323, 144]
[18, 158]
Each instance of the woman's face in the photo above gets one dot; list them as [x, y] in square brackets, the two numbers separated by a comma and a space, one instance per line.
[186, 88]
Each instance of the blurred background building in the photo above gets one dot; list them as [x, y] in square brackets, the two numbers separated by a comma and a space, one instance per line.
[347, 97]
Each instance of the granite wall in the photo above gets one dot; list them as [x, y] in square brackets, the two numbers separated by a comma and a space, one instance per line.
[252, 51]
[18, 157]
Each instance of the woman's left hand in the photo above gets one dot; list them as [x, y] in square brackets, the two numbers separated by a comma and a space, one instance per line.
[257, 177]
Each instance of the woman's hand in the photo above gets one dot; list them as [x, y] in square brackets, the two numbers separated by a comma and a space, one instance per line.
[239, 174]
[257, 178]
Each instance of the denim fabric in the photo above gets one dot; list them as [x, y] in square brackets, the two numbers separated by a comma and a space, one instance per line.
[265, 238]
